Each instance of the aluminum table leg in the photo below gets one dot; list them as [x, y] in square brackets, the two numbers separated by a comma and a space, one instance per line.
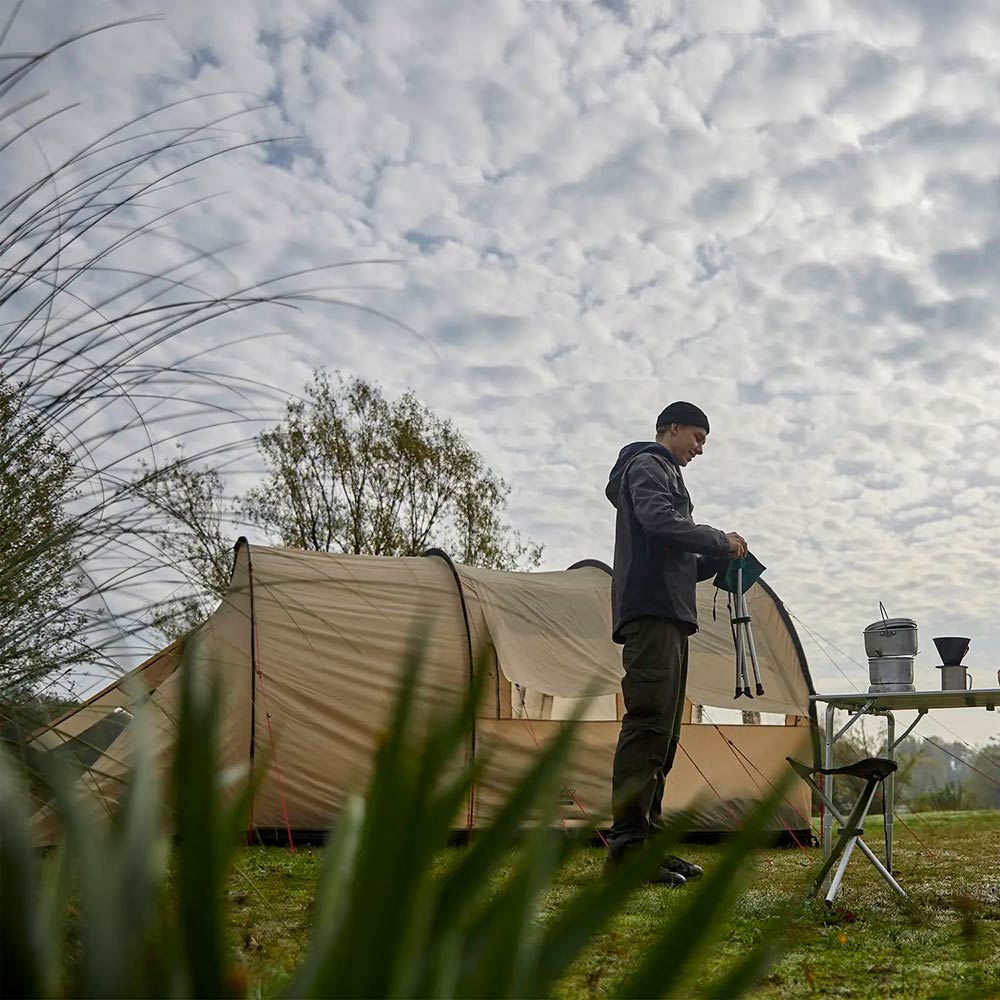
[889, 802]
[828, 784]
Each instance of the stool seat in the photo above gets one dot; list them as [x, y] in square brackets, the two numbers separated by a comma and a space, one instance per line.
[870, 767]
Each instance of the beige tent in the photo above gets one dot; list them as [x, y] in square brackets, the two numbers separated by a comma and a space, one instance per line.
[308, 647]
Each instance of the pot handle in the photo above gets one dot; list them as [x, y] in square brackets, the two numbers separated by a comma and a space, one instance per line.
[885, 616]
[968, 682]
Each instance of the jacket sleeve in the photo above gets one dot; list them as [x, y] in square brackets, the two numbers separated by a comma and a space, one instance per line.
[657, 514]
[709, 566]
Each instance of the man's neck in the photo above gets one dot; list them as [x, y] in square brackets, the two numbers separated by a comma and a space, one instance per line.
[663, 444]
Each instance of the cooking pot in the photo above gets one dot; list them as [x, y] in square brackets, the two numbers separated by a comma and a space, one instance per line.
[890, 669]
[891, 637]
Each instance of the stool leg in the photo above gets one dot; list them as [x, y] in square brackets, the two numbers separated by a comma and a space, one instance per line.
[758, 685]
[853, 823]
[839, 873]
[880, 868]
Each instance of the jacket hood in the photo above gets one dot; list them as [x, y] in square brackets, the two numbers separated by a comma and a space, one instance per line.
[624, 457]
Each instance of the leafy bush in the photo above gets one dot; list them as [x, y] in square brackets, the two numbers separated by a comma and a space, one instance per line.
[113, 912]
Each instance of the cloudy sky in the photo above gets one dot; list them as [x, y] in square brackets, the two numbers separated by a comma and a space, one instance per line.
[787, 212]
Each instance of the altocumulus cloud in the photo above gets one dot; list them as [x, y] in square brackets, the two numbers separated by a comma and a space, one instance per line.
[787, 212]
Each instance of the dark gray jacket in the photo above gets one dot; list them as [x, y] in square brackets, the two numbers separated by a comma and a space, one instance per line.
[660, 553]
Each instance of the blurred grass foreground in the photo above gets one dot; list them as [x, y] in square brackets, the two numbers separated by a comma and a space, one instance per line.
[161, 898]
[114, 910]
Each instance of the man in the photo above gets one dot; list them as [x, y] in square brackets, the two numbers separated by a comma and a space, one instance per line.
[660, 555]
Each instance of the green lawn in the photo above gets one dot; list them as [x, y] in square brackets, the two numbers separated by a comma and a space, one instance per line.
[945, 943]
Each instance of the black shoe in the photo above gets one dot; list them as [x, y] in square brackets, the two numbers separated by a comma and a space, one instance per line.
[681, 867]
[667, 876]
[662, 876]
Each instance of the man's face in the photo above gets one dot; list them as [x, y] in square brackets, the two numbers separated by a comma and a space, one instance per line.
[687, 442]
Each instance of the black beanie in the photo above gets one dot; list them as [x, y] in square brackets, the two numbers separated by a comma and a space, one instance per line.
[682, 413]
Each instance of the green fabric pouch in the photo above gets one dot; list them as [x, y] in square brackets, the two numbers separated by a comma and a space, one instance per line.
[752, 569]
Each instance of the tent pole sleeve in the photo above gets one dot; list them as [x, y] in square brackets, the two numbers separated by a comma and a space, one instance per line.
[595, 563]
[441, 554]
[253, 669]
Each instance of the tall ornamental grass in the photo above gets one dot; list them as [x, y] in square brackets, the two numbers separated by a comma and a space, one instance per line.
[118, 335]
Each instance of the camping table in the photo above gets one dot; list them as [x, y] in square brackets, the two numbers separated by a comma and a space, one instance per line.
[886, 704]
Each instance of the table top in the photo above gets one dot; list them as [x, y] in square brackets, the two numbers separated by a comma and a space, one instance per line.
[901, 700]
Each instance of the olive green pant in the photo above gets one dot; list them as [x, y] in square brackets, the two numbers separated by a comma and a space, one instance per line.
[655, 657]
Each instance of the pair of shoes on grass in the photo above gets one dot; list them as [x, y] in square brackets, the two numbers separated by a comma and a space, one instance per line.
[686, 869]
[673, 871]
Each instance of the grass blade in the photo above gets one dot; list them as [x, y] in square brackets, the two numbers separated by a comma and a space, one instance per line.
[24, 956]
[333, 896]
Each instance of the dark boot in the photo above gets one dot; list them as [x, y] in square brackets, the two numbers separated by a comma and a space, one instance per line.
[686, 869]
[665, 876]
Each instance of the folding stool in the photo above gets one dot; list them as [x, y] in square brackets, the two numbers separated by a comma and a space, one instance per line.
[873, 770]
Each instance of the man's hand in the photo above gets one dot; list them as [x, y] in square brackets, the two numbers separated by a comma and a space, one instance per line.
[737, 545]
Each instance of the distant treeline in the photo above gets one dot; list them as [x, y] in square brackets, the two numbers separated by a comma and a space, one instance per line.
[935, 774]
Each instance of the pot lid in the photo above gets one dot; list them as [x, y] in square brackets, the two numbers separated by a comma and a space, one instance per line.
[889, 624]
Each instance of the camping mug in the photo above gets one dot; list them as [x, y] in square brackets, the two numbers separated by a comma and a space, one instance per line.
[955, 678]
